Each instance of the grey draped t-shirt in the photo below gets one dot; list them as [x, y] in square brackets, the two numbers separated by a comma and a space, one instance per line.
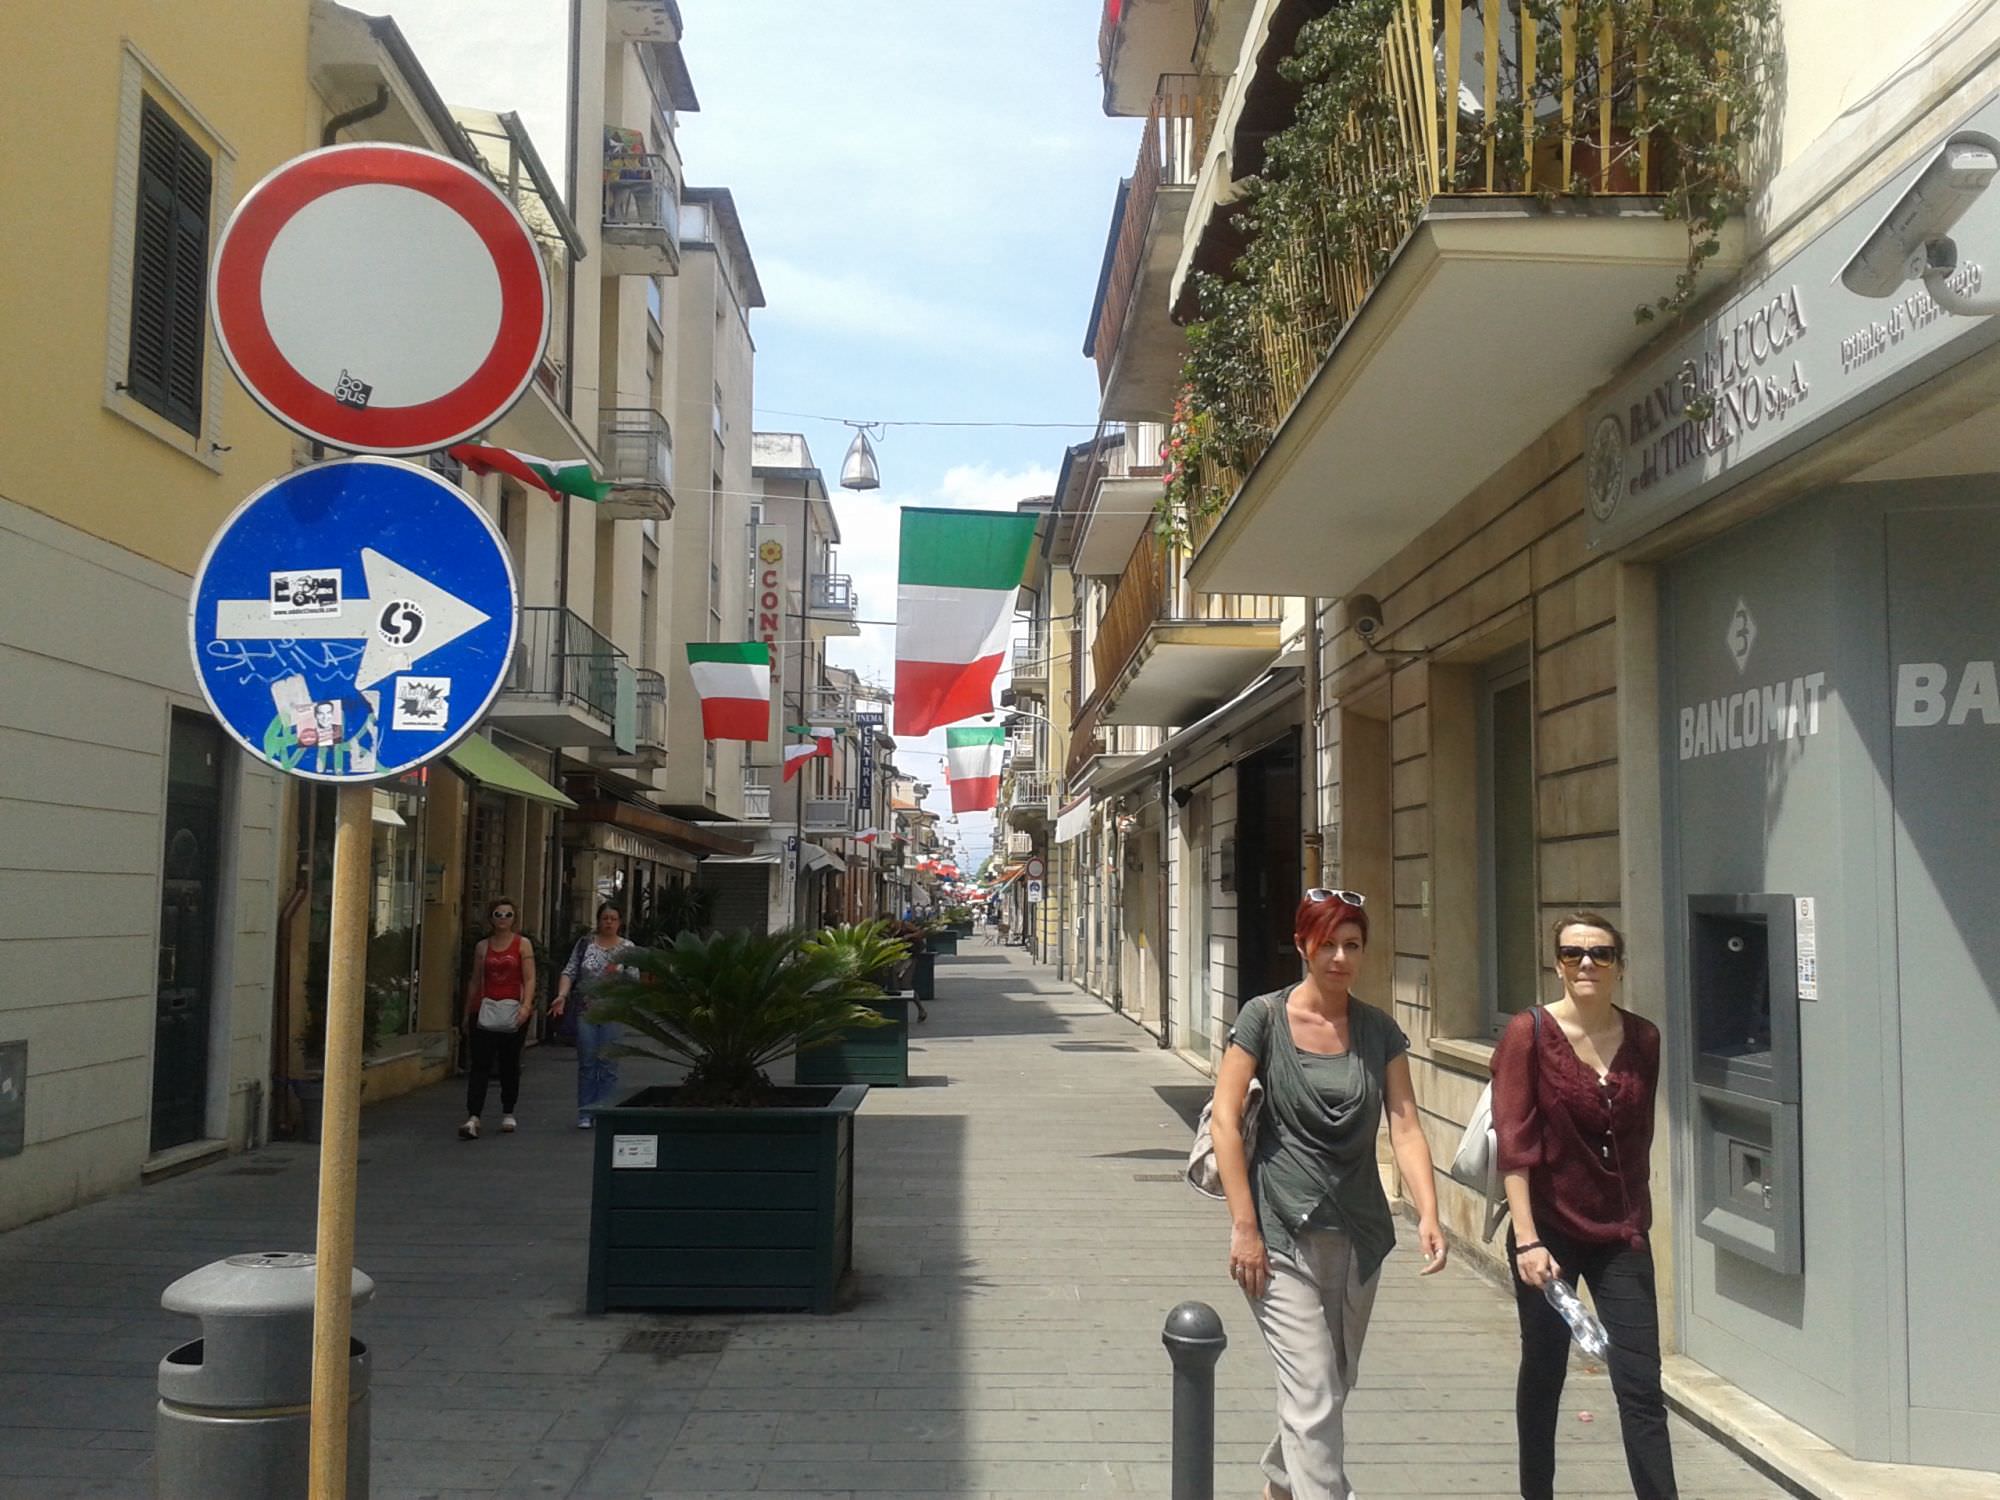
[1314, 1162]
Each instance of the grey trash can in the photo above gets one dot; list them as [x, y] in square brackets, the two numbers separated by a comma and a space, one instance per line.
[235, 1418]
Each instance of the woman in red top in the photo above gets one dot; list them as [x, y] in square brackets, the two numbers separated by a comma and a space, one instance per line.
[1573, 1087]
[499, 1002]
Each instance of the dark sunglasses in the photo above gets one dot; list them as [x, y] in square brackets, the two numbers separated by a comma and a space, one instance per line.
[1345, 898]
[1601, 954]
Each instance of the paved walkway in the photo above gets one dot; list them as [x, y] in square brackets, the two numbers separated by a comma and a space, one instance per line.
[1021, 1234]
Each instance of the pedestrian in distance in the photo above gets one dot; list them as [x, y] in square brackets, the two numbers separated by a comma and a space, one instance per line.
[1001, 921]
[598, 955]
[1309, 1223]
[1573, 1093]
[499, 1003]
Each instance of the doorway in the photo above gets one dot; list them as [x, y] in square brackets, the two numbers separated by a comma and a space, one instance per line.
[1267, 868]
[1195, 922]
[189, 862]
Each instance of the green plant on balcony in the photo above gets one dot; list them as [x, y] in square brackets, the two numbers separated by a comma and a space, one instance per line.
[1660, 99]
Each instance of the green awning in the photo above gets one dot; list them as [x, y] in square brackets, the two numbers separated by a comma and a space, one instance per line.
[486, 763]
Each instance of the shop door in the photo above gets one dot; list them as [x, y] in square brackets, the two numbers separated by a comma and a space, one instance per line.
[1944, 633]
[1267, 869]
[1201, 976]
[188, 905]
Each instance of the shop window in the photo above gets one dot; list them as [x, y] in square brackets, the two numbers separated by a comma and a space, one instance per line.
[1510, 974]
[169, 270]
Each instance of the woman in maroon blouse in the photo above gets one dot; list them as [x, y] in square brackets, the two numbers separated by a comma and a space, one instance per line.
[1573, 1087]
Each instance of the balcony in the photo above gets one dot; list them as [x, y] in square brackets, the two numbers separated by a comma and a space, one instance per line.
[649, 726]
[1137, 41]
[565, 685]
[1021, 748]
[642, 211]
[757, 793]
[1137, 345]
[1119, 511]
[1165, 655]
[636, 445]
[832, 606]
[1030, 669]
[828, 815]
[1517, 222]
[828, 706]
[1028, 799]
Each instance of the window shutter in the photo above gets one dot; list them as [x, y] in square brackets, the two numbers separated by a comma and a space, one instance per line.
[169, 270]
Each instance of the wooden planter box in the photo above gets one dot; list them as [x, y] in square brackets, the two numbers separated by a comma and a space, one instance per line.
[943, 942]
[722, 1208]
[872, 1054]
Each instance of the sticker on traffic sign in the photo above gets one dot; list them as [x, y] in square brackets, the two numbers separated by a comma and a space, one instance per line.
[380, 298]
[353, 619]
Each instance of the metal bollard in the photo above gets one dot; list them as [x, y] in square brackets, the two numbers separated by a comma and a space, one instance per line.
[234, 1416]
[1195, 1341]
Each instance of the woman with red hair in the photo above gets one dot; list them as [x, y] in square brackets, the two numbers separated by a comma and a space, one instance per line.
[1310, 1224]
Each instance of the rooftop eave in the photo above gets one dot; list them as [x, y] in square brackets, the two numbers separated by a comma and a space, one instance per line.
[1497, 318]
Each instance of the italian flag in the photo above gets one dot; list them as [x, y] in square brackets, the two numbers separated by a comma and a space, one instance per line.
[553, 477]
[954, 598]
[797, 755]
[972, 756]
[734, 682]
[868, 836]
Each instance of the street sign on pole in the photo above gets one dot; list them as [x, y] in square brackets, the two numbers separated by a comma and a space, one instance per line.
[353, 619]
[1035, 869]
[380, 298]
[1034, 892]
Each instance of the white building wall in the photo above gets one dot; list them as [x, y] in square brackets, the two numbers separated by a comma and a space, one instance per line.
[94, 661]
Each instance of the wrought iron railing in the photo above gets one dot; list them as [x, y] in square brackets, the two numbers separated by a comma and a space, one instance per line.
[639, 195]
[636, 444]
[560, 658]
[1031, 789]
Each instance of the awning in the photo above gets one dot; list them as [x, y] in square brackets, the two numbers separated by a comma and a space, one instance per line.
[1072, 821]
[489, 765]
[705, 840]
[816, 857]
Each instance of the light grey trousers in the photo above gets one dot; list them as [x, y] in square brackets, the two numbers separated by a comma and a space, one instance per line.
[1313, 1319]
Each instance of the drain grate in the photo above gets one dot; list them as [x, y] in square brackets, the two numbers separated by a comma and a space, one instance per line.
[672, 1343]
[254, 1171]
[1157, 1176]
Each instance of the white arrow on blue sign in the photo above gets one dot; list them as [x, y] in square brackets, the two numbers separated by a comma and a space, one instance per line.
[353, 619]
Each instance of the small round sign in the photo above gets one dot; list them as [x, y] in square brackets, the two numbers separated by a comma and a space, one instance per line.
[353, 619]
[380, 298]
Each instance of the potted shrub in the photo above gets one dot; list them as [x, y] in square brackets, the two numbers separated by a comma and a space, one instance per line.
[871, 1054]
[920, 969]
[727, 1190]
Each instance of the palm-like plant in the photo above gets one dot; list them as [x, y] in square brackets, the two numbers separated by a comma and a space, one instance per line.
[872, 951]
[728, 1005]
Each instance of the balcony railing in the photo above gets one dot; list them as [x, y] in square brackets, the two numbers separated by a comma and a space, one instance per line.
[828, 815]
[1031, 662]
[1021, 747]
[642, 225]
[1031, 791]
[1153, 592]
[757, 793]
[652, 710]
[1178, 127]
[833, 594]
[829, 705]
[636, 444]
[559, 658]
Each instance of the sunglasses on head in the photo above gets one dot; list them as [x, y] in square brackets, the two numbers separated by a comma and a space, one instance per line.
[1345, 898]
[1601, 954]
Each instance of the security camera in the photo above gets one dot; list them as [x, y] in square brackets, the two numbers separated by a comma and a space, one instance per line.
[1364, 613]
[1904, 245]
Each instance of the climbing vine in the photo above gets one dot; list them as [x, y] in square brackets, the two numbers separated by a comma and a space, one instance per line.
[1338, 191]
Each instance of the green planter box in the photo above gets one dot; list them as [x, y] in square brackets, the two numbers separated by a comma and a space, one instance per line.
[873, 1054]
[722, 1208]
[943, 942]
[923, 977]
[963, 929]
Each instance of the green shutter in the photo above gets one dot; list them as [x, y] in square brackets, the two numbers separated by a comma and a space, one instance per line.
[169, 270]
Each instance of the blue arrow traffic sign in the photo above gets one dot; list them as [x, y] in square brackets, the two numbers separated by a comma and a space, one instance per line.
[353, 619]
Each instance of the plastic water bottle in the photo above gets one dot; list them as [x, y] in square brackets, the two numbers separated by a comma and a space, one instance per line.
[1583, 1325]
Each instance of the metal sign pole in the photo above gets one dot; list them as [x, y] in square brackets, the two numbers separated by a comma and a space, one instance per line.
[340, 1129]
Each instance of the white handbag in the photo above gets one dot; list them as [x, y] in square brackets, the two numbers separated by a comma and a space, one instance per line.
[1476, 1164]
[1202, 1173]
[499, 1015]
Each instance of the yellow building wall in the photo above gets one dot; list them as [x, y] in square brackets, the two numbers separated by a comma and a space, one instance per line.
[70, 446]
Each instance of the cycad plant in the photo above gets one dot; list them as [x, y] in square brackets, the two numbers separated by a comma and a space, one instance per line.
[728, 1005]
[873, 951]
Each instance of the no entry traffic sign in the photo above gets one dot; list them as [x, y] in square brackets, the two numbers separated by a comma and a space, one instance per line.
[380, 298]
[353, 619]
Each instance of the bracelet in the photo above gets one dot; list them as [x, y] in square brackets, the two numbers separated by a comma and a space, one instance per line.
[1531, 1245]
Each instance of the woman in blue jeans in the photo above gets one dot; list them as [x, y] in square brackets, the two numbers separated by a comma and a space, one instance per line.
[597, 956]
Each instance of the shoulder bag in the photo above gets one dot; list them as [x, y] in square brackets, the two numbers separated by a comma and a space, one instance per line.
[1476, 1164]
[1202, 1173]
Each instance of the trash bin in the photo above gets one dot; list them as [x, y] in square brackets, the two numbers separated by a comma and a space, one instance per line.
[235, 1417]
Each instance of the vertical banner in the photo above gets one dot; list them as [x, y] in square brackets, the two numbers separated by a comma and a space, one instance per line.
[868, 726]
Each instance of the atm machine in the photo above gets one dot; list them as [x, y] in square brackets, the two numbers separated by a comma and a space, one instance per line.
[1743, 981]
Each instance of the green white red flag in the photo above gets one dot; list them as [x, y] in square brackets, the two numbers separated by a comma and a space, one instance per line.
[972, 762]
[819, 747]
[554, 477]
[955, 585]
[733, 679]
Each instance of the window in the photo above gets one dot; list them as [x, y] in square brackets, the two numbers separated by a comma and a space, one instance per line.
[1510, 971]
[169, 270]
[653, 299]
[649, 603]
[718, 415]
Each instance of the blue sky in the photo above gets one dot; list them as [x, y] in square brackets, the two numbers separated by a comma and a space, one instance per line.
[926, 189]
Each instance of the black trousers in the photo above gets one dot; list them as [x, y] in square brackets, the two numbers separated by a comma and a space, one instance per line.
[1621, 1285]
[491, 1049]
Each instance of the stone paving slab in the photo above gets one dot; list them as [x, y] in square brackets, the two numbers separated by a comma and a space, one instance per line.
[1021, 1232]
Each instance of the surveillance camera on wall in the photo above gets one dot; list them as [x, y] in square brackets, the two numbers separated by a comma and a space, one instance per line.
[1364, 614]
[1912, 242]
